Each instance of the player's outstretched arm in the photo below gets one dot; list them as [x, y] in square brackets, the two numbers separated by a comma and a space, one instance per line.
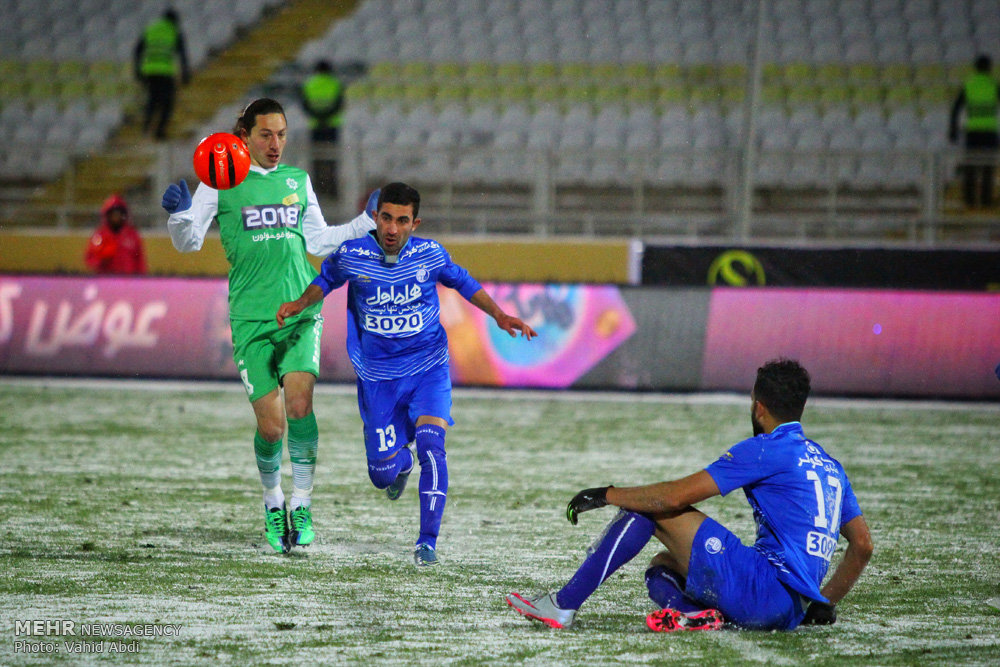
[660, 499]
[313, 294]
[665, 497]
[322, 239]
[508, 323]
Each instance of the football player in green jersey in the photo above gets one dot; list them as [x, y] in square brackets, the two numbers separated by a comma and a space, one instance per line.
[267, 224]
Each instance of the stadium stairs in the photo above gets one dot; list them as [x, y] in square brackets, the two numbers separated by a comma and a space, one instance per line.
[127, 160]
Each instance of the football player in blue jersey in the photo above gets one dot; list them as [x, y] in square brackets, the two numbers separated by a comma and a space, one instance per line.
[801, 500]
[399, 349]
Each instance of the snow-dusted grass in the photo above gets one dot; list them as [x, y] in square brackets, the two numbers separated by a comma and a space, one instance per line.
[136, 503]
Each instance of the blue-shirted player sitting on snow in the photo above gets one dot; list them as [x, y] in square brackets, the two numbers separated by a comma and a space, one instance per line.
[399, 348]
[801, 500]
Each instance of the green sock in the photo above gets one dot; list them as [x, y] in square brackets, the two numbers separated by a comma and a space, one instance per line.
[268, 460]
[303, 441]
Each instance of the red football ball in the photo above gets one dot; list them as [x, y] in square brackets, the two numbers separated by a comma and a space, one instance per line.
[221, 161]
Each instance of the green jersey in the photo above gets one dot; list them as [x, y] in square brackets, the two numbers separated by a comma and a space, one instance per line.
[267, 224]
[261, 231]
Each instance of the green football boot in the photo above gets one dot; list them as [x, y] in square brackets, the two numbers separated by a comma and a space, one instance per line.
[302, 526]
[276, 529]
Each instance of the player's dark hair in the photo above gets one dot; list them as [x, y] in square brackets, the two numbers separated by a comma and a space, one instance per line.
[259, 107]
[782, 385]
[983, 63]
[400, 194]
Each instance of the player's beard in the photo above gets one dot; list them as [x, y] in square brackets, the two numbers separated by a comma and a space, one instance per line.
[757, 428]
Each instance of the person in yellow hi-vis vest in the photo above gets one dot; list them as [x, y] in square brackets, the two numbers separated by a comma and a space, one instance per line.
[979, 97]
[156, 58]
[323, 99]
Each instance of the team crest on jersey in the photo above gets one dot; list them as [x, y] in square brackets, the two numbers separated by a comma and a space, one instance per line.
[292, 184]
[422, 275]
[713, 545]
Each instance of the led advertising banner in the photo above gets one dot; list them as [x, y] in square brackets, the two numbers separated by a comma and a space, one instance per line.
[868, 342]
[173, 327]
[869, 268]
[853, 341]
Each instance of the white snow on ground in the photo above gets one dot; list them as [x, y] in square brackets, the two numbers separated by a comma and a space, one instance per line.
[135, 502]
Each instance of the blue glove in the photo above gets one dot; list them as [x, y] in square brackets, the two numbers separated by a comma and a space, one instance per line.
[372, 206]
[176, 197]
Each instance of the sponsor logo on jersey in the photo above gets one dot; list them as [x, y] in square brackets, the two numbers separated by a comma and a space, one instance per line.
[405, 295]
[358, 250]
[420, 247]
[815, 459]
[270, 217]
[292, 184]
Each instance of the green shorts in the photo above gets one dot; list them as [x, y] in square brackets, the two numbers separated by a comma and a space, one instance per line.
[264, 353]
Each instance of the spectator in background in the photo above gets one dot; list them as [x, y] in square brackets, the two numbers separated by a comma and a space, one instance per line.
[323, 99]
[115, 246]
[978, 96]
[156, 66]
[322, 96]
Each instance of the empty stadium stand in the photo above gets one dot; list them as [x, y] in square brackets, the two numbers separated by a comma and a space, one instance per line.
[578, 116]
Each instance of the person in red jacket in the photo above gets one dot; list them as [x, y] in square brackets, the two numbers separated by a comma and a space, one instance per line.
[115, 246]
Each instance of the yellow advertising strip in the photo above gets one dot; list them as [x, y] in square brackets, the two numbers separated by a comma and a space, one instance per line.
[603, 261]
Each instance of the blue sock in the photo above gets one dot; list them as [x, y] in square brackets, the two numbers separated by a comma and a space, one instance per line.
[383, 472]
[622, 541]
[666, 589]
[405, 462]
[433, 481]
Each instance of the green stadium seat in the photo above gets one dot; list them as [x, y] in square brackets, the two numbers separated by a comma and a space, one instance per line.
[637, 73]
[799, 73]
[579, 91]
[385, 71]
[574, 73]
[929, 74]
[803, 93]
[543, 71]
[896, 74]
[480, 71]
[834, 94]
[831, 74]
[900, 95]
[447, 72]
[511, 71]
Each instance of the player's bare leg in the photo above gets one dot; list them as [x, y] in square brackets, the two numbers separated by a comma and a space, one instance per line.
[676, 532]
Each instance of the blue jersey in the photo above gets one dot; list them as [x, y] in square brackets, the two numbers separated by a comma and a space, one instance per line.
[393, 313]
[800, 498]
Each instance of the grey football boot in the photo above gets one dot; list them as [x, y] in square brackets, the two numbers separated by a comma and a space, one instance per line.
[542, 608]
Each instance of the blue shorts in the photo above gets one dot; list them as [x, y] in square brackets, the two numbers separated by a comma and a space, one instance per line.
[739, 581]
[390, 408]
